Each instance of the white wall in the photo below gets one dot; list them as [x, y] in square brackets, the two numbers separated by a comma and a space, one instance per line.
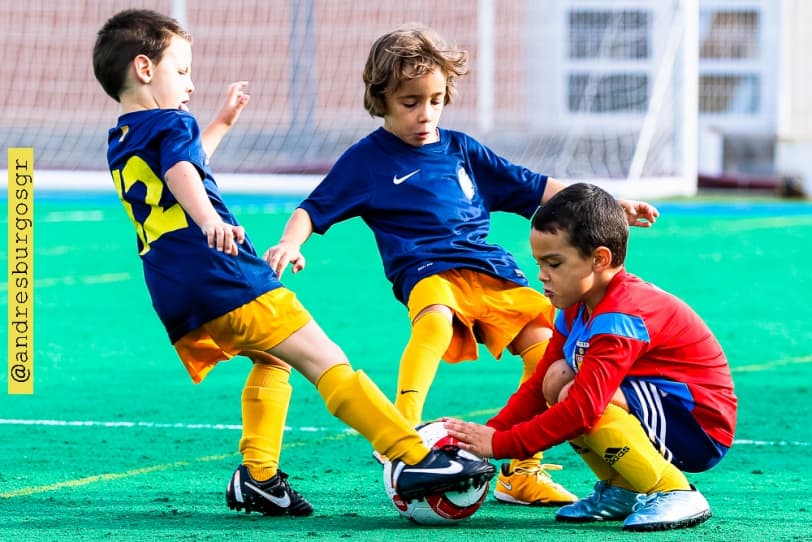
[794, 145]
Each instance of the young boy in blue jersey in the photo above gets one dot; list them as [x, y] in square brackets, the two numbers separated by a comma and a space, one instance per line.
[632, 378]
[215, 296]
[427, 194]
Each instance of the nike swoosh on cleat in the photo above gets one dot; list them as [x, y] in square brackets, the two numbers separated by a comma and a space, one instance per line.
[403, 392]
[398, 180]
[282, 502]
[454, 468]
[507, 485]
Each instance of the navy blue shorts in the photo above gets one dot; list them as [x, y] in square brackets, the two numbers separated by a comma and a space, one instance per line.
[664, 410]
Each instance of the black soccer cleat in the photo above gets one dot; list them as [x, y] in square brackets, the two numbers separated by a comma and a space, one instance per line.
[273, 497]
[440, 471]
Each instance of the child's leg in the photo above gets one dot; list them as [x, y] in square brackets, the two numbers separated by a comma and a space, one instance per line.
[265, 399]
[350, 395]
[557, 381]
[527, 481]
[622, 443]
[353, 398]
[603, 471]
[431, 334]
[531, 357]
[530, 360]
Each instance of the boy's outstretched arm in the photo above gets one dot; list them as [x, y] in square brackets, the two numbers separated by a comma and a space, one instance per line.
[236, 99]
[185, 184]
[289, 248]
[638, 213]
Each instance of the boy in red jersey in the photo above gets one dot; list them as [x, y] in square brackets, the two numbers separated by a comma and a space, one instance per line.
[633, 378]
[214, 295]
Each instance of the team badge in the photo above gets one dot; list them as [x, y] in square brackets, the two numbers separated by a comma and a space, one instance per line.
[580, 351]
[465, 183]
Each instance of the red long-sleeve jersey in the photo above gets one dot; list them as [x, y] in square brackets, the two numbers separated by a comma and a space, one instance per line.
[637, 330]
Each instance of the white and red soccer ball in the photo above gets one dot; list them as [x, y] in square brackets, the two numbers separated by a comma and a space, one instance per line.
[440, 508]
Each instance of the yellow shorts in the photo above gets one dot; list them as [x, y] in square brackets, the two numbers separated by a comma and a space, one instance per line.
[487, 309]
[250, 330]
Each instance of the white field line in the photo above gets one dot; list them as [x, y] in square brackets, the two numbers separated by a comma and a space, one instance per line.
[301, 429]
[150, 425]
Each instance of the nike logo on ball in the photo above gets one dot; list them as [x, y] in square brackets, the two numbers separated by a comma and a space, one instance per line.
[398, 180]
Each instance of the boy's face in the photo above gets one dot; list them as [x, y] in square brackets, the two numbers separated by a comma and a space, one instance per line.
[414, 108]
[568, 277]
[171, 83]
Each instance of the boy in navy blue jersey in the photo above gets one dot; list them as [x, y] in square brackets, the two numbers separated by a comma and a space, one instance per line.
[427, 194]
[215, 296]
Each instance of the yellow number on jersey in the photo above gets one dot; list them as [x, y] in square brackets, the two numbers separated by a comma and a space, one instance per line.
[159, 220]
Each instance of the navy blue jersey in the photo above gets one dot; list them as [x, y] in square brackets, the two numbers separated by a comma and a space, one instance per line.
[190, 283]
[429, 207]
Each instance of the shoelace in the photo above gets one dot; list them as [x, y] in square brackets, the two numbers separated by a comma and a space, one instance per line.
[283, 477]
[537, 470]
[644, 500]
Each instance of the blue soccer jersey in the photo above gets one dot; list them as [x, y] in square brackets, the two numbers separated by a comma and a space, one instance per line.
[189, 282]
[429, 207]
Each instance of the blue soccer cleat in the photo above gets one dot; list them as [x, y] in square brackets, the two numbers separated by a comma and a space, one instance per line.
[668, 510]
[605, 503]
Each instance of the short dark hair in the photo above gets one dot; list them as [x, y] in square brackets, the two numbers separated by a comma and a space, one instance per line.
[126, 35]
[591, 218]
[408, 52]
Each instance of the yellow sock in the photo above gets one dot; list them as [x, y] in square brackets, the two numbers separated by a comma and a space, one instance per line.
[530, 360]
[431, 335]
[622, 442]
[354, 399]
[531, 357]
[265, 400]
[592, 460]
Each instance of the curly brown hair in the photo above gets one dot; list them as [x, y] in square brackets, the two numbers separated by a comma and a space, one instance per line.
[409, 52]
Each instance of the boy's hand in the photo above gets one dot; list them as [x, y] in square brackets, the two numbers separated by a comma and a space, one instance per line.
[236, 99]
[639, 213]
[224, 237]
[282, 254]
[472, 437]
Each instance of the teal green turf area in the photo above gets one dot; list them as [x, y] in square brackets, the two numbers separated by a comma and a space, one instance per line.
[117, 443]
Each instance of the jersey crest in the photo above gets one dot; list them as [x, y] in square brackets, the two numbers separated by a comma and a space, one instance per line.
[578, 354]
[465, 183]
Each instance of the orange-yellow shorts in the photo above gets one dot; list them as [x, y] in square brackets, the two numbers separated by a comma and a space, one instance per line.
[487, 309]
[250, 330]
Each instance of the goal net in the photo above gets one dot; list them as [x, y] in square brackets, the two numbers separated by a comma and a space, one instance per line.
[599, 91]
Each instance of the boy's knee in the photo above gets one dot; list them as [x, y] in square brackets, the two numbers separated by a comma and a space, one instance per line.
[557, 381]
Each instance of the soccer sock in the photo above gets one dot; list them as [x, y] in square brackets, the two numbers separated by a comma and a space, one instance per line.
[622, 442]
[431, 335]
[593, 461]
[531, 357]
[530, 360]
[354, 399]
[265, 400]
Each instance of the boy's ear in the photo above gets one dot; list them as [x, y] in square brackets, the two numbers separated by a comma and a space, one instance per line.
[143, 69]
[601, 258]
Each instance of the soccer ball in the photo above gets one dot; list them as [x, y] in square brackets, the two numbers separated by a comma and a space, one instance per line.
[440, 508]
